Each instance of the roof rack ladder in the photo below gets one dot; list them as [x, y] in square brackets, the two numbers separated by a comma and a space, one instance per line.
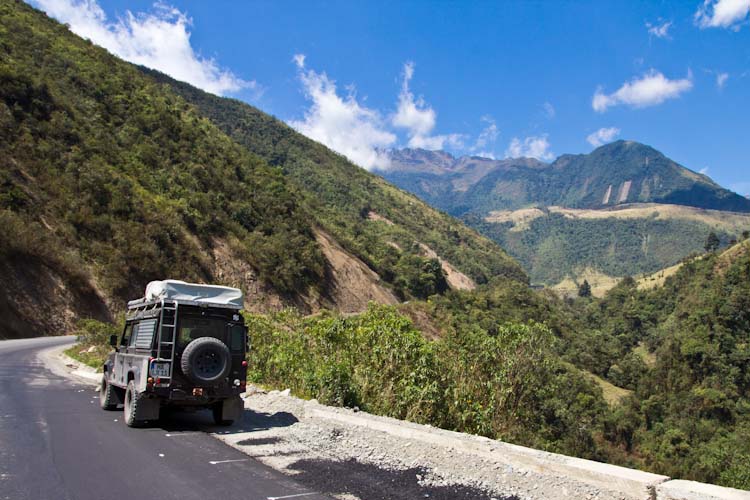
[167, 330]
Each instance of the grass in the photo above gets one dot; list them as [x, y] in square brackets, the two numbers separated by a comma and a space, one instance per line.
[648, 357]
[613, 395]
[729, 221]
[94, 359]
[600, 283]
[658, 278]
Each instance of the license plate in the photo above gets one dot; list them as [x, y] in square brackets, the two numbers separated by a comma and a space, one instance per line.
[159, 369]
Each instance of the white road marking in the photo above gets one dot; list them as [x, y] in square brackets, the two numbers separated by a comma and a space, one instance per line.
[293, 496]
[182, 434]
[214, 462]
[161, 454]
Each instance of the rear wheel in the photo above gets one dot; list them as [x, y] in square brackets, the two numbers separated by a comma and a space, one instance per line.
[132, 397]
[107, 397]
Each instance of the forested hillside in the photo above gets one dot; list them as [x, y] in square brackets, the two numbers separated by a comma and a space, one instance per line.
[684, 349]
[380, 224]
[109, 179]
[504, 361]
[622, 210]
[556, 243]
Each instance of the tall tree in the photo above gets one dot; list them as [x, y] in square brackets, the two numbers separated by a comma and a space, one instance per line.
[584, 290]
[712, 242]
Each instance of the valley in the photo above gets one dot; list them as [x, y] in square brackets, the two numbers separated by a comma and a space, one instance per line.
[405, 293]
[625, 209]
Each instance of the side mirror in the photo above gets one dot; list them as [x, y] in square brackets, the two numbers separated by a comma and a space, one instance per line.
[113, 340]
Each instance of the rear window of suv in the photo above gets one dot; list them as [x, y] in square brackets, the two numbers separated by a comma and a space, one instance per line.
[193, 328]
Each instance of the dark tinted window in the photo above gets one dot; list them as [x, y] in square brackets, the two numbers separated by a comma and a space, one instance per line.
[193, 328]
[126, 335]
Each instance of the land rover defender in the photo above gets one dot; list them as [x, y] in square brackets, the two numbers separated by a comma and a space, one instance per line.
[183, 346]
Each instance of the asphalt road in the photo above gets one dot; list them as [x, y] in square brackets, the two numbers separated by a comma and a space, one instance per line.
[57, 444]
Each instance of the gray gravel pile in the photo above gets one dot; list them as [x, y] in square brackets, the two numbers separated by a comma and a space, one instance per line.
[352, 454]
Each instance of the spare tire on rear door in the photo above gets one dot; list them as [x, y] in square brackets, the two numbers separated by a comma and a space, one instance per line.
[205, 360]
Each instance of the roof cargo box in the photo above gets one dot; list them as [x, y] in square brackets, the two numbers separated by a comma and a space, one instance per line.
[191, 293]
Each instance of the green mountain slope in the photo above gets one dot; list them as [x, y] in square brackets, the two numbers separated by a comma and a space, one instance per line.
[624, 209]
[109, 179]
[683, 348]
[120, 180]
[555, 243]
[380, 224]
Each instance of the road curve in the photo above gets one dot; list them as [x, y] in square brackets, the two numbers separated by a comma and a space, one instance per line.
[56, 444]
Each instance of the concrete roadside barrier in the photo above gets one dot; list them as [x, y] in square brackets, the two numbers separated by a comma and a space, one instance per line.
[631, 483]
[691, 490]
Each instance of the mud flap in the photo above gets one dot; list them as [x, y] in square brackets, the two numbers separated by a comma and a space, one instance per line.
[148, 409]
[231, 409]
[119, 395]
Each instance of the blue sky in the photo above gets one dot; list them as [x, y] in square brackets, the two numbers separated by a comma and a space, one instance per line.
[491, 78]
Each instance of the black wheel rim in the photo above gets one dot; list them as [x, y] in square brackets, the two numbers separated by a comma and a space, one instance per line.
[208, 364]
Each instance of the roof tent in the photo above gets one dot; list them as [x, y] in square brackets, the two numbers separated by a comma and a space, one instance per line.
[190, 293]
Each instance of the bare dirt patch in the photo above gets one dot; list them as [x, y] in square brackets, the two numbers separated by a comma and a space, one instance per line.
[37, 300]
[520, 218]
[351, 283]
[372, 215]
[455, 278]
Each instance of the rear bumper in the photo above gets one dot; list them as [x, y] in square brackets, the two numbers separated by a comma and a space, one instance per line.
[185, 396]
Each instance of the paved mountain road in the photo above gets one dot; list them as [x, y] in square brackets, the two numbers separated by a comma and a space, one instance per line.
[57, 444]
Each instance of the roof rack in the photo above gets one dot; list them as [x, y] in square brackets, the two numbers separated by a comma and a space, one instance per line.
[189, 294]
[143, 304]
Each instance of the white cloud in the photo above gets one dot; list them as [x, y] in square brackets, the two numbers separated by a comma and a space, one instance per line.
[418, 118]
[703, 171]
[342, 123]
[487, 136]
[549, 110]
[722, 14]
[603, 136]
[721, 79]
[159, 39]
[530, 147]
[659, 30]
[649, 90]
[299, 60]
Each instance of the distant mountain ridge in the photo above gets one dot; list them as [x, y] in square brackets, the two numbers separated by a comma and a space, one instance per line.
[621, 172]
[623, 209]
